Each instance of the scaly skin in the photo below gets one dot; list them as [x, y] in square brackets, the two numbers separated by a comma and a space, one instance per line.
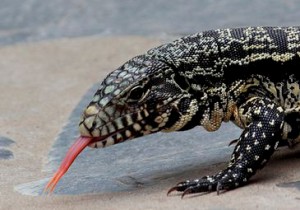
[247, 75]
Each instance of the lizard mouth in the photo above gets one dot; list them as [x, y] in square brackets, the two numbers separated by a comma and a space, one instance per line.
[109, 139]
[81, 143]
[77, 147]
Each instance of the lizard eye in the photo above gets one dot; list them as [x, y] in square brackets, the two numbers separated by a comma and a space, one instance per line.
[136, 94]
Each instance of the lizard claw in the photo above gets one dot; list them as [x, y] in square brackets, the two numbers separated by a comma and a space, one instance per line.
[219, 187]
[234, 141]
[186, 192]
[182, 186]
[171, 190]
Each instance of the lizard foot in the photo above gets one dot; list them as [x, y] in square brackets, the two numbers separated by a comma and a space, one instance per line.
[225, 180]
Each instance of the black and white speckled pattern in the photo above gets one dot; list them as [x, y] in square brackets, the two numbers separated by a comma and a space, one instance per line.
[246, 75]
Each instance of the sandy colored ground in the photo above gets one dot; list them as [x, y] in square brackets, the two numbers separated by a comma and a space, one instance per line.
[40, 85]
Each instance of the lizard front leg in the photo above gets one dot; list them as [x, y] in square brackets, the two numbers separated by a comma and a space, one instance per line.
[263, 129]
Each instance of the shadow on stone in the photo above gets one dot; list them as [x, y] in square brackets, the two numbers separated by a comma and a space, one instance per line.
[4, 152]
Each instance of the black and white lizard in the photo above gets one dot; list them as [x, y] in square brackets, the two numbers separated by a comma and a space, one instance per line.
[249, 76]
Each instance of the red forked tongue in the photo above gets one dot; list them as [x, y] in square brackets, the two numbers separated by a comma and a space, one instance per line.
[73, 152]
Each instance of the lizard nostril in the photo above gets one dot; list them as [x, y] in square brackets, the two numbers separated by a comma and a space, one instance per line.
[94, 124]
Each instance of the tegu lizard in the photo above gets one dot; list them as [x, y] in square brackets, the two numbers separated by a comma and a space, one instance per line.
[249, 76]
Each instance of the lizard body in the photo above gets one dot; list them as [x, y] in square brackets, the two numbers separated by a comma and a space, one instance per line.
[249, 76]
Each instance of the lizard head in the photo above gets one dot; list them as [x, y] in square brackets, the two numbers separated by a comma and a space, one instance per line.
[137, 99]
